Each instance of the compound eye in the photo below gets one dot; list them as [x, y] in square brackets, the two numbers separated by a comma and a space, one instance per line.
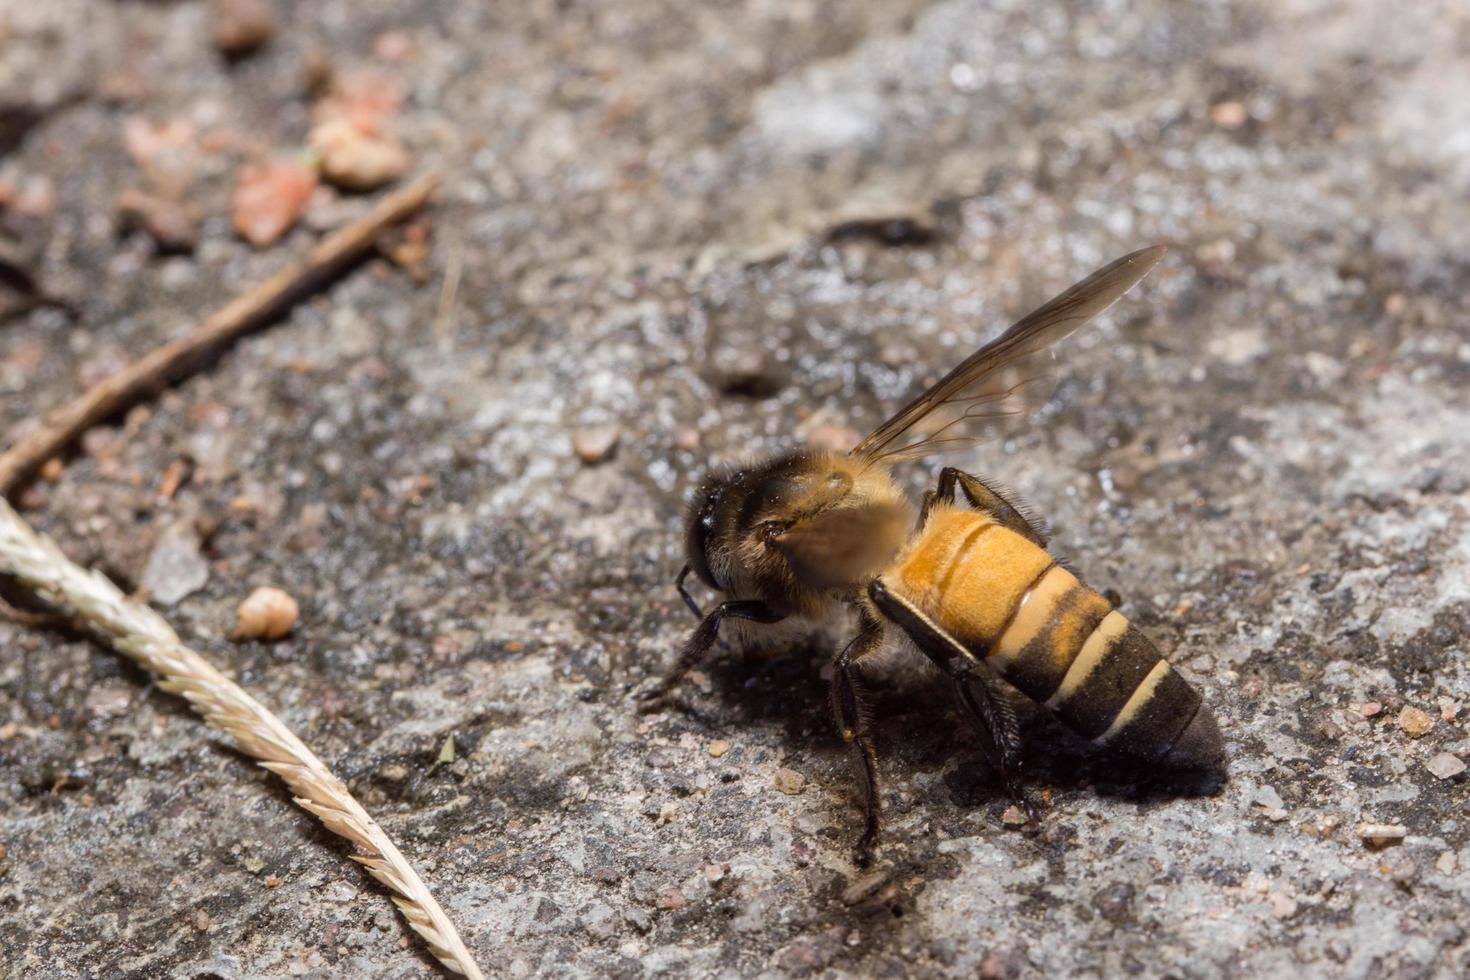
[701, 529]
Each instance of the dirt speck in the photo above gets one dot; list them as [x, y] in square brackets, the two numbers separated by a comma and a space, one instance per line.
[1415, 722]
[789, 781]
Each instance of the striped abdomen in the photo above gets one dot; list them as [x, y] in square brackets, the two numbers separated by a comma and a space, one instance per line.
[1053, 638]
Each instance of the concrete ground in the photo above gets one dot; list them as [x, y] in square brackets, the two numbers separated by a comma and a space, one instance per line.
[723, 230]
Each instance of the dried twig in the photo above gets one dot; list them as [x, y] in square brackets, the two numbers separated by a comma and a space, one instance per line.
[142, 635]
[171, 362]
[449, 295]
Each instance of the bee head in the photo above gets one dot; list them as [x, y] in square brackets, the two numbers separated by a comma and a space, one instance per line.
[733, 515]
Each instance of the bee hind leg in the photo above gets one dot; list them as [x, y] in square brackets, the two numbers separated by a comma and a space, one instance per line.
[985, 705]
[993, 718]
[991, 500]
[851, 712]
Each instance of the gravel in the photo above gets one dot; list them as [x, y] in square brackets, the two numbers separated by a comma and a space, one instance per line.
[1265, 452]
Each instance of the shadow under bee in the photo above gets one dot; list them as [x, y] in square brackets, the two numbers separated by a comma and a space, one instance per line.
[920, 729]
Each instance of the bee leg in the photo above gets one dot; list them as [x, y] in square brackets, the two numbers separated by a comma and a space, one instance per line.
[852, 722]
[684, 593]
[987, 710]
[993, 718]
[930, 498]
[983, 497]
[701, 640]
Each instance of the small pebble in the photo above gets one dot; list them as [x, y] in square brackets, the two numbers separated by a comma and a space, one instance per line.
[863, 887]
[272, 881]
[638, 919]
[201, 920]
[1283, 906]
[669, 899]
[1415, 722]
[268, 200]
[599, 921]
[1369, 709]
[242, 26]
[789, 781]
[718, 748]
[1267, 797]
[1445, 766]
[1382, 834]
[37, 197]
[267, 614]
[606, 874]
[175, 568]
[355, 160]
[113, 700]
[1013, 817]
[392, 46]
[173, 225]
[1445, 865]
[595, 443]
[811, 953]
[715, 873]
[1229, 115]
[1115, 902]
[1005, 963]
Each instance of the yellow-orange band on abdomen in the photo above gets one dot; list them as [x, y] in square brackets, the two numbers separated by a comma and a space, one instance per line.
[1113, 626]
[1036, 611]
[1140, 699]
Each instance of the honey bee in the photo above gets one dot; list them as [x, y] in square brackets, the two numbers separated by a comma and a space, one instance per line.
[969, 584]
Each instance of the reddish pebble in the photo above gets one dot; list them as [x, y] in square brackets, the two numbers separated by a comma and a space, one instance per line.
[269, 198]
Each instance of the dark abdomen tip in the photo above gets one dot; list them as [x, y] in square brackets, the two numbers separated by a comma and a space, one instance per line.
[1199, 746]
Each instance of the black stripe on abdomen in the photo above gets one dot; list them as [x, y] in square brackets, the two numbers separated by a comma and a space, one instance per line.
[1038, 668]
[1113, 674]
[1119, 690]
[1157, 721]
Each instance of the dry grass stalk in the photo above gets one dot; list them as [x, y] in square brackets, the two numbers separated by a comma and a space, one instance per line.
[169, 363]
[141, 634]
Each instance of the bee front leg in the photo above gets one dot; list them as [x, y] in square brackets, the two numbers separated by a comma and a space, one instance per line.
[700, 642]
[851, 712]
[684, 593]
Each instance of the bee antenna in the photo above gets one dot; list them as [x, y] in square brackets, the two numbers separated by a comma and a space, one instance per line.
[684, 593]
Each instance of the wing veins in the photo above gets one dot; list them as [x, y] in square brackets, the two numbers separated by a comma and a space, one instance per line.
[1036, 331]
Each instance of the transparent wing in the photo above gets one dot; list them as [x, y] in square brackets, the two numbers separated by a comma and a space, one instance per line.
[1009, 377]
